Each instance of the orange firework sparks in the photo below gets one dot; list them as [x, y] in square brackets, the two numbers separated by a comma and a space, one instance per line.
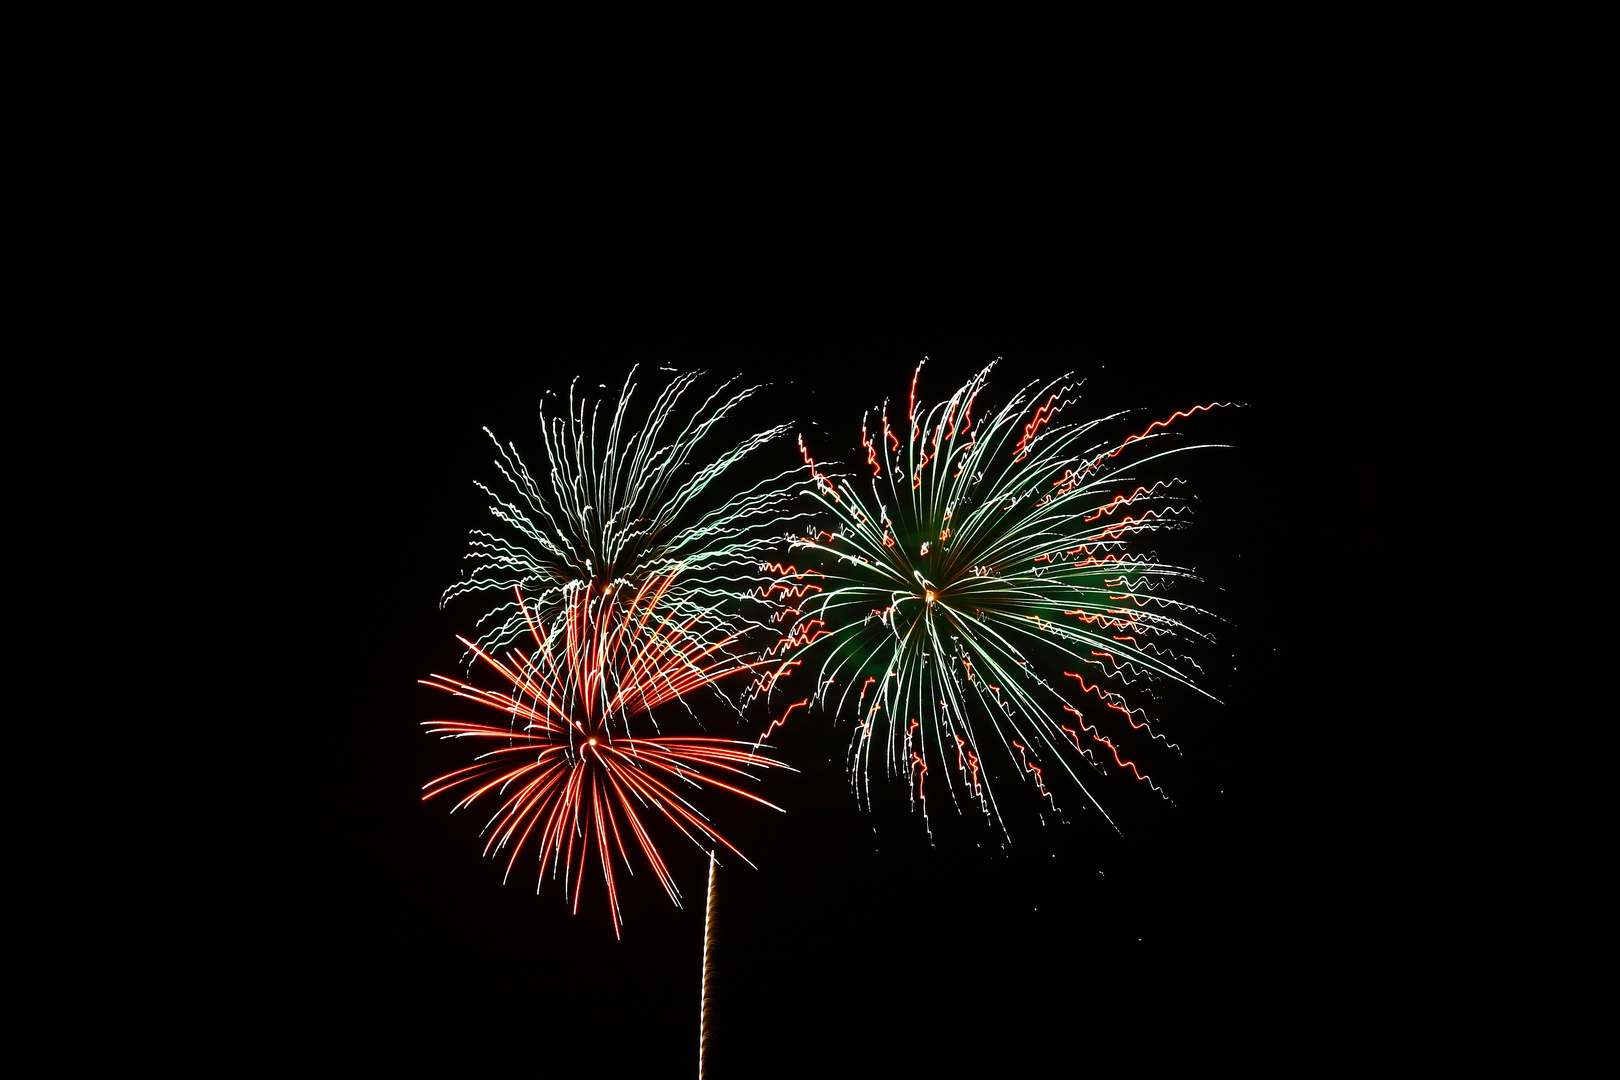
[570, 776]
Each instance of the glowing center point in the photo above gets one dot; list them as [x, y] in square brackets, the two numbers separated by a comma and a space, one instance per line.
[930, 594]
[593, 740]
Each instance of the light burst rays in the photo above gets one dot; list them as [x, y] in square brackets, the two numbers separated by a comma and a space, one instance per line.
[980, 598]
[568, 777]
[624, 497]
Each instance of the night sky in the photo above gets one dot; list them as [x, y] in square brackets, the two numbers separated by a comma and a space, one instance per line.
[394, 318]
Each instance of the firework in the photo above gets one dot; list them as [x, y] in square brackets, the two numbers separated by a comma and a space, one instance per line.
[987, 600]
[568, 775]
[627, 499]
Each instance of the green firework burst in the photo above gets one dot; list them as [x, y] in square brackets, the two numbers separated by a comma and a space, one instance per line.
[986, 604]
[623, 498]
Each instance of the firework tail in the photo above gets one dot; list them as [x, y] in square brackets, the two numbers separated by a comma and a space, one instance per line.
[708, 942]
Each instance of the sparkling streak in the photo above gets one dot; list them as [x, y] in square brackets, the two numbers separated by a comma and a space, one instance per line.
[708, 940]
[779, 722]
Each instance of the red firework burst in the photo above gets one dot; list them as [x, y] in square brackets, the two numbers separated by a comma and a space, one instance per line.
[570, 776]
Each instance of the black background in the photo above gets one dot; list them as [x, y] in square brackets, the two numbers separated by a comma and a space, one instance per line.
[390, 312]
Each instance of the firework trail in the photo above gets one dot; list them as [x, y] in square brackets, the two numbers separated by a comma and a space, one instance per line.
[567, 774]
[708, 940]
[987, 599]
[626, 498]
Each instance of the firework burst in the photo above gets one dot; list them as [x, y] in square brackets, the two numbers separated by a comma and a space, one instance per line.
[988, 602]
[568, 775]
[626, 499]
